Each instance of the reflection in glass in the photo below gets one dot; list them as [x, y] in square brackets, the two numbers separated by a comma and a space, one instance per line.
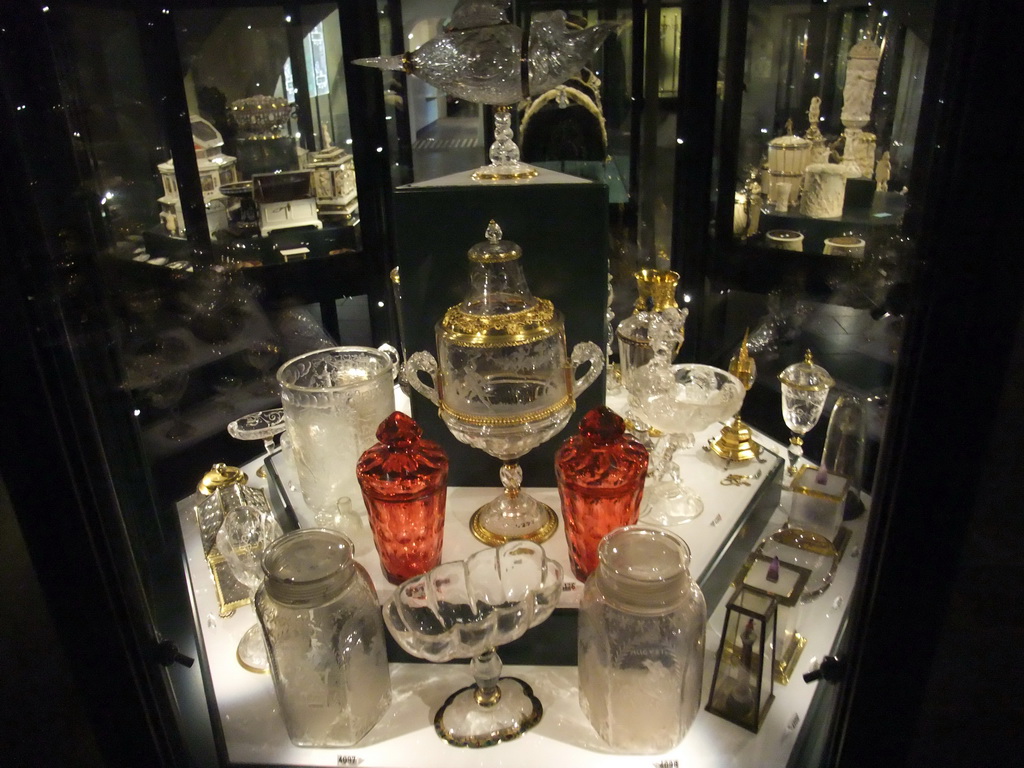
[243, 537]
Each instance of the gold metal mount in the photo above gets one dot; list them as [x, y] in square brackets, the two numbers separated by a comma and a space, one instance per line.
[491, 539]
[493, 175]
[736, 443]
[512, 329]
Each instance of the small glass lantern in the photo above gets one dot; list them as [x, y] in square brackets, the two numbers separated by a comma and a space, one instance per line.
[223, 490]
[786, 582]
[743, 687]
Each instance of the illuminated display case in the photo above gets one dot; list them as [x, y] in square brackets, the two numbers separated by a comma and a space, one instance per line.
[145, 305]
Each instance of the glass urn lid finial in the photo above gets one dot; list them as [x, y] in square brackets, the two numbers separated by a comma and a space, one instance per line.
[494, 249]
[493, 233]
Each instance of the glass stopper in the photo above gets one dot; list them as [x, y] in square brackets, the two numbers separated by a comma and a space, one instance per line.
[602, 426]
[399, 431]
[493, 232]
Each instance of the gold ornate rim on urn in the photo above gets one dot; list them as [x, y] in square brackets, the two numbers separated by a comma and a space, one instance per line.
[508, 330]
[511, 421]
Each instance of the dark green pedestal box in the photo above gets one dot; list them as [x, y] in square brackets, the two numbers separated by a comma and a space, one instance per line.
[561, 223]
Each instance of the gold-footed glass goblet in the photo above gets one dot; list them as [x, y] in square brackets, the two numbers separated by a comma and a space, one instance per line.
[805, 387]
[502, 381]
[656, 292]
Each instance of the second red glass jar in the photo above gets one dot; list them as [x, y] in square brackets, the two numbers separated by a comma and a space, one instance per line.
[600, 476]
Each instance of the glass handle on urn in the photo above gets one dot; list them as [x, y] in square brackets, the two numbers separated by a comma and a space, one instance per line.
[586, 352]
[422, 362]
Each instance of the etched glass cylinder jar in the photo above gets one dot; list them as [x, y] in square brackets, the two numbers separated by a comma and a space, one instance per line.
[334, 400]
[641, 641]
[325, 639]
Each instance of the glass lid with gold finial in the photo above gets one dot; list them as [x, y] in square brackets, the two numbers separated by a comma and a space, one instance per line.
[502, 381]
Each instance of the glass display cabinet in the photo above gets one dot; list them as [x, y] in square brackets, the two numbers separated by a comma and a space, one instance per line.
[196, 192]
[227, 173]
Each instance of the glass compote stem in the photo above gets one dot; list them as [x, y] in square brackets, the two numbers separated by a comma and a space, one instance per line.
[491, 710]
[668, 486]
[242, 539]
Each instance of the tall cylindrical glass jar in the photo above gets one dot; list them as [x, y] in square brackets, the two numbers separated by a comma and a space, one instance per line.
[325, 639]
[641, 641]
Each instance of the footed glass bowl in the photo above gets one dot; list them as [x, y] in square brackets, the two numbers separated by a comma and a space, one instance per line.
[680, 401]
[466, 609]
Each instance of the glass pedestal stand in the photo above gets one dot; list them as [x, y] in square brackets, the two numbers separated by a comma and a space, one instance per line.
[667, 499]
[513, 514]
[504, 153]
[492, 710]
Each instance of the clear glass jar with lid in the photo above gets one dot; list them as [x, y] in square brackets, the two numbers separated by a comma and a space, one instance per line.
[325, 639]
[641, 641]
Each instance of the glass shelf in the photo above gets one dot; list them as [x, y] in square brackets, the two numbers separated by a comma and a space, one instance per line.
[737, 517]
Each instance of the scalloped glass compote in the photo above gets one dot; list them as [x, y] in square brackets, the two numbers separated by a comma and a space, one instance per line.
[466, 609]
[679, 400]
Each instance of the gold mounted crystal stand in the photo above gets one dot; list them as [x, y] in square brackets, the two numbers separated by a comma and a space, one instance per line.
[656, 292]
[504, 153]
[736, 443]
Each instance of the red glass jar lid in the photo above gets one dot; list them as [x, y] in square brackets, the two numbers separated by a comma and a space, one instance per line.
[602, 425]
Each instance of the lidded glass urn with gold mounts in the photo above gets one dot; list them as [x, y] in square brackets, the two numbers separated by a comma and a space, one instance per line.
[502, 381]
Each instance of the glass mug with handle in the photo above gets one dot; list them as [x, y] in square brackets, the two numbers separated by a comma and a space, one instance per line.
[334, 400]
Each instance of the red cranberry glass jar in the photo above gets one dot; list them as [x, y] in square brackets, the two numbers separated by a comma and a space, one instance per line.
[404, 480]
[600, 476]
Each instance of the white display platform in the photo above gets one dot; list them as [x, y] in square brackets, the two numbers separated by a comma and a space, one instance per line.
[254, 732]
